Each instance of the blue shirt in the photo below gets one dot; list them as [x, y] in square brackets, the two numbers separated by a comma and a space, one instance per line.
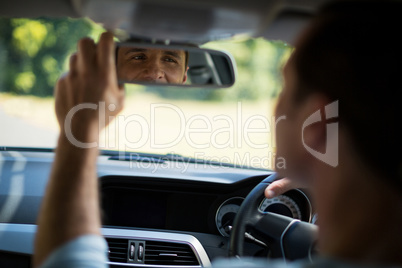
[87, 251]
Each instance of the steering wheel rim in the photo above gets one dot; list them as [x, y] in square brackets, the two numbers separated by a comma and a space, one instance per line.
[286, 237]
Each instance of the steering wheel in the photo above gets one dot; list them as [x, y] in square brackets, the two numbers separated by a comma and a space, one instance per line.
[286, 237]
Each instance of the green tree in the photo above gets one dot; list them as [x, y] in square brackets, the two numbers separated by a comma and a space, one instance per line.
[34, 52]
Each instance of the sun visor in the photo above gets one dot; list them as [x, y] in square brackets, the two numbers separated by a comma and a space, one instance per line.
[196, 21]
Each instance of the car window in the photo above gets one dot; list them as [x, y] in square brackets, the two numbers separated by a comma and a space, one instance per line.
[233, 125]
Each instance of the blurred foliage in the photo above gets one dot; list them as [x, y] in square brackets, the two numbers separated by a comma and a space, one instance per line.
[34, 53]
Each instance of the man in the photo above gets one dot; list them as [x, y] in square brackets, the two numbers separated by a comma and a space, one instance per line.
[338, 62]
[152, 65]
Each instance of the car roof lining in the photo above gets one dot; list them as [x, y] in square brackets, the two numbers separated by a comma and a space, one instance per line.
[37, 8]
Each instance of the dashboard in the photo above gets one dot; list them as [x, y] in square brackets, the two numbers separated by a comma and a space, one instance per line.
[204, 210]
[187, 206]
[152, 216]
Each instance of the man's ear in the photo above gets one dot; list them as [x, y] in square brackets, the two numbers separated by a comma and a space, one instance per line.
[185, 75]
[314, 126]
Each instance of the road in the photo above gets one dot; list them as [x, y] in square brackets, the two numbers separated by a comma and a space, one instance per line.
[18, 132]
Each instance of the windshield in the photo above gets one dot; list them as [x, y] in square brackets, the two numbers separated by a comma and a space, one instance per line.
[232, 125]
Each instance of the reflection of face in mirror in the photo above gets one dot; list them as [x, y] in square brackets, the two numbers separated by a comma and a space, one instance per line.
[152, 65]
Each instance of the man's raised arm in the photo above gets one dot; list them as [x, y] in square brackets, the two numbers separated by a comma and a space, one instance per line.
[70, 208]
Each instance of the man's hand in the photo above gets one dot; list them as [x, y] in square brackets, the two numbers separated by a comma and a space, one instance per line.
[91, 80]
[281, 186]
[70, 207]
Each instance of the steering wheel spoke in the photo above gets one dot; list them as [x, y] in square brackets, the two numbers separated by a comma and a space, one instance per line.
[270, 227]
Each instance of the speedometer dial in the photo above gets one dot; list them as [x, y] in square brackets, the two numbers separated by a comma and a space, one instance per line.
[226, 214]
[283, 205]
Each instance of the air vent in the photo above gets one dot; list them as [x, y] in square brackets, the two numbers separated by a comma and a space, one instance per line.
[117, 249]
[156, 252]
[166, 253]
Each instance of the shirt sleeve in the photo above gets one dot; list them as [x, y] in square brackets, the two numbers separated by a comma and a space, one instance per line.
[87, 251]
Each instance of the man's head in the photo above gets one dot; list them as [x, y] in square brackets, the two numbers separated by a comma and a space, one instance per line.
[348, 54]
[152, 65]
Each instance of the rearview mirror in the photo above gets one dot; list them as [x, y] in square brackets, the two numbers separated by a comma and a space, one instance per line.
[157, 64]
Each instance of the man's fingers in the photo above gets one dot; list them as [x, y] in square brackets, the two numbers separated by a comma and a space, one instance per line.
[106, 53]
[86, 54]
[73, 64]
[279, 187]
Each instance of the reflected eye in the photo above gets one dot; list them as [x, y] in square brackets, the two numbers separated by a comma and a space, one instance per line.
[168, 59]
[138, 57]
